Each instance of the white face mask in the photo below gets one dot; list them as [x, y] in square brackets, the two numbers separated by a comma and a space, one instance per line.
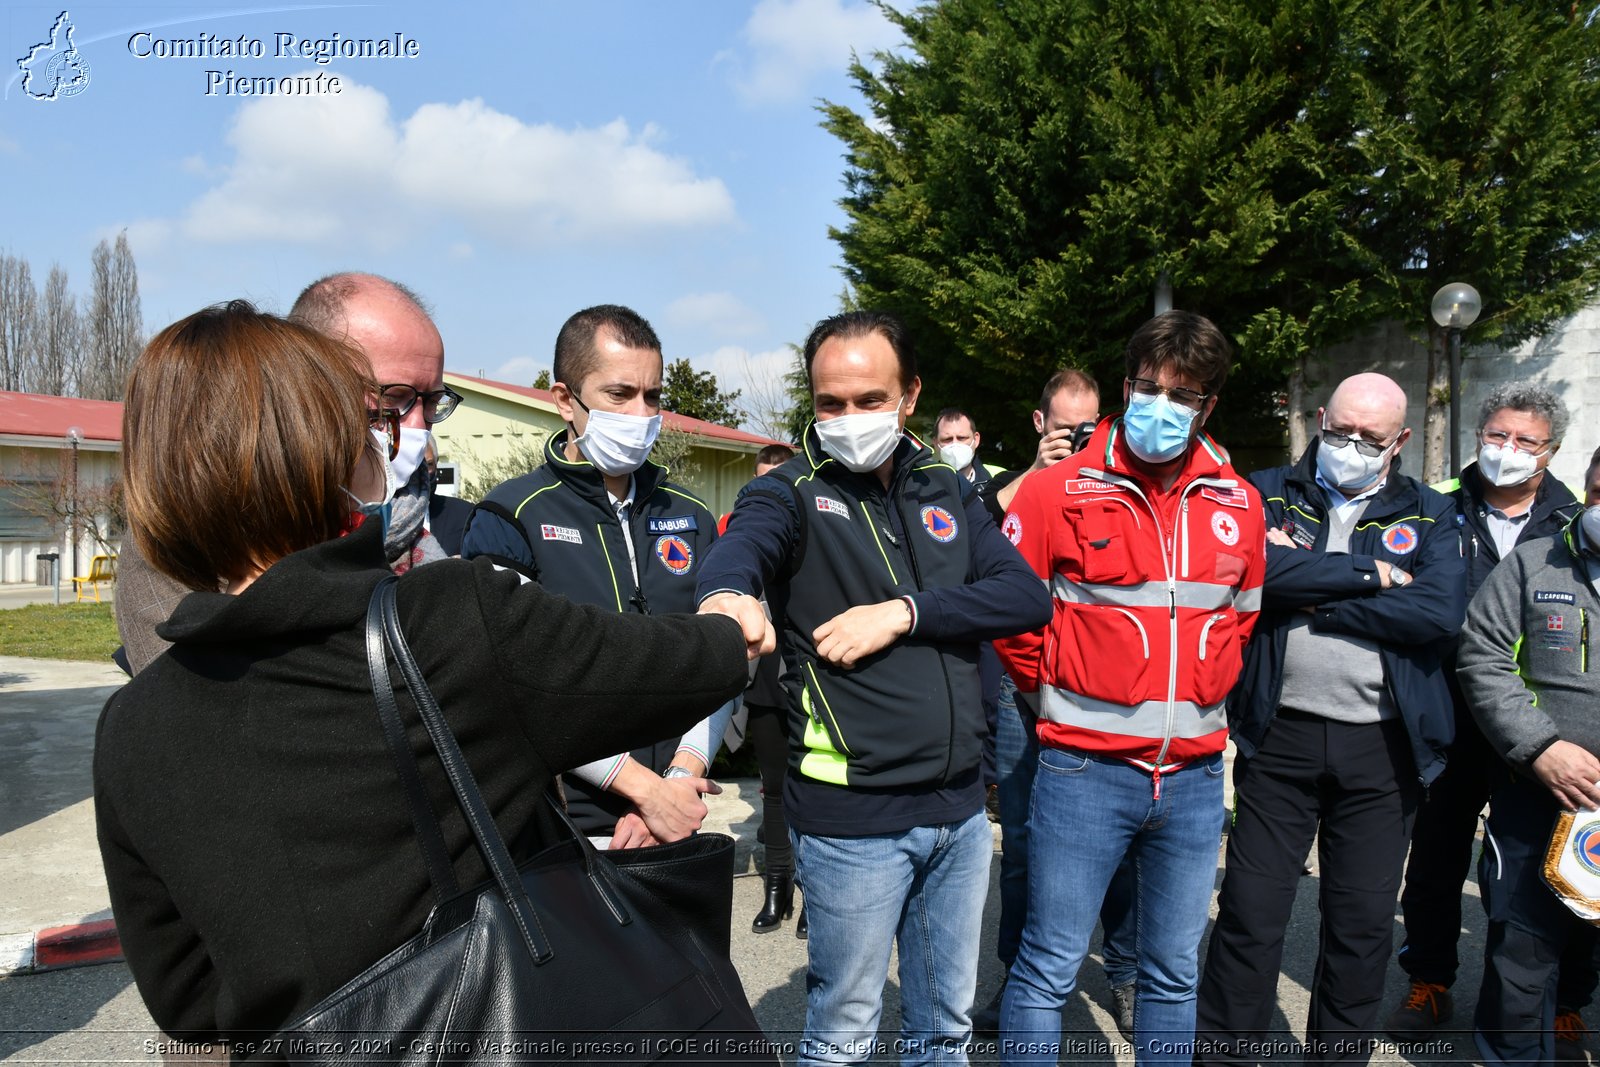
[1346, 469]
[1505, 466]
[618, 444]
[390, 484]
[861, 442]
[958, 454]
[413, 443]
[1590, 522]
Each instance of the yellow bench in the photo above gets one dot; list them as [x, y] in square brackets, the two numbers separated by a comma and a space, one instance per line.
[101, 569]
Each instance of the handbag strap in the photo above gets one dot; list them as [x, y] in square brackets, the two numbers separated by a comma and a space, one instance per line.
[441, 872]
[490, 843]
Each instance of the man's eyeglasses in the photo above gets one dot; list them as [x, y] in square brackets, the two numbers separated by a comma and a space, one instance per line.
[1530, 445]
[1183, 397]
[1365, 447]
[436, 406]
[387, 421]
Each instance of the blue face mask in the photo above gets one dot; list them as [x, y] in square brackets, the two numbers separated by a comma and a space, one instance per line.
[375, 508]
[1157, 429]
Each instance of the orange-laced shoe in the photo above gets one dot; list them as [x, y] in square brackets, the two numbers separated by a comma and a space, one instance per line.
[1427, 1007]
[1571, 1037]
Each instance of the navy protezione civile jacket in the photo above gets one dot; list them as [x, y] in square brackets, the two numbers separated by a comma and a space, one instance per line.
[819, 539]
[1407, 525]
[557, 526]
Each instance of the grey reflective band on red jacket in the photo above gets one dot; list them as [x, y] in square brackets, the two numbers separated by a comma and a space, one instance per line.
[1146, 719]
[1202, 596]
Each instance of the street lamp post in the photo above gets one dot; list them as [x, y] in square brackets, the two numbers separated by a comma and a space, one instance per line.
[1455, 307]
[75, 436]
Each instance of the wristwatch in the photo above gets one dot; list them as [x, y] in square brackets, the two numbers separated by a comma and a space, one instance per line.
[677, 772]
[1399, 578]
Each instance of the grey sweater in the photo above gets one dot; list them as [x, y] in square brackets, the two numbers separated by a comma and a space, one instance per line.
[1526, 651]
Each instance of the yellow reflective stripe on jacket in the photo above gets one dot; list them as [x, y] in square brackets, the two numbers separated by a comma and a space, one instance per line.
[822, 760]
[873, 528]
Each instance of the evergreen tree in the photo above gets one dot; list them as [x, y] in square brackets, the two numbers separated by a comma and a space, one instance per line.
[686, 391]
[1298, 171]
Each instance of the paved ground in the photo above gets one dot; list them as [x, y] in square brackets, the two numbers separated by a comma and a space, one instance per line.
[15, 595]
[50, 874]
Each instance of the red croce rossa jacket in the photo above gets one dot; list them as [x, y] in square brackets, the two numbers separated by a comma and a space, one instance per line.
[1155, 597]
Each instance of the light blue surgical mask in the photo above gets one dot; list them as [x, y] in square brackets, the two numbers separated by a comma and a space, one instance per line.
[1157, 429]
[369, 508]
[391, 484]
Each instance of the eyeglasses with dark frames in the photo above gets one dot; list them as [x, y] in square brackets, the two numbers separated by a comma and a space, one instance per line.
[387, 421]
[1182, 397]
[1365, 447]
[436, 406]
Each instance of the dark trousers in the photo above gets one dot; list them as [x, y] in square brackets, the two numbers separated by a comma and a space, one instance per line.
[767, 729]
[1353, 789]
[1442, 844]
[1530, 931]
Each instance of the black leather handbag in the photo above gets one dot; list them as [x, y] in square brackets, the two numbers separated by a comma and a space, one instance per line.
[578, 956]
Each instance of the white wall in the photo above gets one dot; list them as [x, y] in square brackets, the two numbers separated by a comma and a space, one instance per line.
[1566, 359]
[97, 465]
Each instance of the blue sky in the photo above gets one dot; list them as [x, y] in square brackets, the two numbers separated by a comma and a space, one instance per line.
[531, 159]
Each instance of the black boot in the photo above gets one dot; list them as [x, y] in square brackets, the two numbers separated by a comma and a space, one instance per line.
[779, 905]
[801, 930]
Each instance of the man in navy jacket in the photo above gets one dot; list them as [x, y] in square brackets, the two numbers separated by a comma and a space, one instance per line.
[886, 572]
[1341, 717]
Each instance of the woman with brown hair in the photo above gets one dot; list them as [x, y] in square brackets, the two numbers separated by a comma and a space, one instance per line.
[257, 840]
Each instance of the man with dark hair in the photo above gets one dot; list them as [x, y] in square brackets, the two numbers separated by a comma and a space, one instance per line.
[1071, 400]
[957, 437]
[886, 573]
[1524, 665]
[1152, 546]
[772, 456]
[1341, 719]
[1504, 499]
[600, 524]
[1070, 403]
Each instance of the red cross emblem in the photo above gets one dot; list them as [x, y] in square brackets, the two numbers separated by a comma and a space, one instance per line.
[1225, 527]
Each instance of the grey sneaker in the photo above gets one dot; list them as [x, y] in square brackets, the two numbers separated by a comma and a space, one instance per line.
[1122, 1007]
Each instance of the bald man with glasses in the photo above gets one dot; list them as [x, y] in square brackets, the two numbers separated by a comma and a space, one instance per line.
[1341, 718]
[390, 324]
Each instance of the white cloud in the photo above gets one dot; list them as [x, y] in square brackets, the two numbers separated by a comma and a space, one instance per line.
[790, 42]
[758, 376]
[460, 250]
[722, 315]
[518, 371]
[328, 169]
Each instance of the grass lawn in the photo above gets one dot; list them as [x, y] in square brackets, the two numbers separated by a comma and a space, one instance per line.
[71, 631]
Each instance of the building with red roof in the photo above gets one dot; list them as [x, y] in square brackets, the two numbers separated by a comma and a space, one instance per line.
[56, 452]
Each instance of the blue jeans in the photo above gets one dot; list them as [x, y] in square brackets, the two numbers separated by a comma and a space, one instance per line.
[1016, 758]
[1088, 814]
[922, 888]
[1119, 928]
